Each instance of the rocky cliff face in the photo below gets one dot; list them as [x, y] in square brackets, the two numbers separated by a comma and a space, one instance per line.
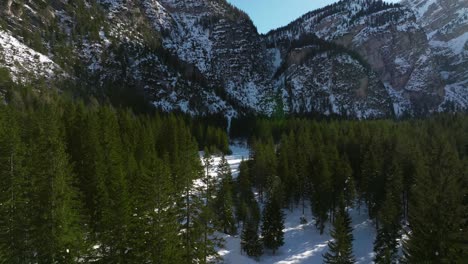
[445, 23]
[361, 58]
[222, 43]
[388, 38]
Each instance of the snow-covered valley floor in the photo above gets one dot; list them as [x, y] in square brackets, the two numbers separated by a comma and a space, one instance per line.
[303, 242]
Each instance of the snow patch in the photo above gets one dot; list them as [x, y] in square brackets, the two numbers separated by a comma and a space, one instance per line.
[456, 45]
[23, 61]
[303, 242]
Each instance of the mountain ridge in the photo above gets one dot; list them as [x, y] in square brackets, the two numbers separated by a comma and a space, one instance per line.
[358, 58]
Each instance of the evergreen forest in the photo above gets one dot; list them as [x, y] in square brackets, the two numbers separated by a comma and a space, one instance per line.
[87, 182]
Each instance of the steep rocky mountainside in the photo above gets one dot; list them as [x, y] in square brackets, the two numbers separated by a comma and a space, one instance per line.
[360, 58]
[446, 25]
[388, 38]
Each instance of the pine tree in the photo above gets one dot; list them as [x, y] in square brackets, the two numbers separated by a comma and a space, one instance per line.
[321, 194]
[287, 169]
[56, 232]
[250, 241]
[87, 158]
[191, 214]
[15, 192]
[208, 180]
[242, 189]
[207, 212]
[437, 214]
[113, 197]
[273, 224]
[154, 227]
[386, 244]
[247, 207]
[373, 180]
[224, 199]
[340, 248]
[264, 167]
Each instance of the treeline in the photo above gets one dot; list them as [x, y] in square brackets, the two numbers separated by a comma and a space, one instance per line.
[375, 6]
[90, 183]
[410, 175]
[315, 46]
[318, 15]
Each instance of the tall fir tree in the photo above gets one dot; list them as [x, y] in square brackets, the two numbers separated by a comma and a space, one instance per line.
[224, 199]
[15, 192]
[321, 193]
[340, 248]
[113, 197]
[246, 204]
[437, 215]
[251, 243]
[390, 216]
[207, 212]
[273, 223]
[56, 234]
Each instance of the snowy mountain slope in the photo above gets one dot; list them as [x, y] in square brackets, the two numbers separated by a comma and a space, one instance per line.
[222, 43]
[24, 63]
[333, 83]
[446, 25]
[205, 56]
[109, 43]
[387, 37]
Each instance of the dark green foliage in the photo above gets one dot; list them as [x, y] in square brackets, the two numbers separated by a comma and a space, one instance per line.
[5, 79]
[264, 167]
[246, 205]
[251, 243]
[340, 248]
[98, 184]
[438, 210]
[248, 211]
[273, 224]
[15, 246]
[224, 204]
[410, 174]
[389, 217]
[105, 185]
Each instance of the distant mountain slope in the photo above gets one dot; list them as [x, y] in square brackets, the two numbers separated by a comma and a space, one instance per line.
[446, 25]
[360, 58]
[388, 38]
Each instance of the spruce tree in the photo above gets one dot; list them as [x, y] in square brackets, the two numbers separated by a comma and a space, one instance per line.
[321, 194]
[224, 199]
[437, 215]
[340, 248]
[186, 169]
[154, 227]
[386, 244]
[273, 224]
[207, 212]
[112, 192]
[247, 204]
[15, 191]
[56, 231]
[250, 241]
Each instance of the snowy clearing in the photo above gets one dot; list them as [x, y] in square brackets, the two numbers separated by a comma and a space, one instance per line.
[303, 242]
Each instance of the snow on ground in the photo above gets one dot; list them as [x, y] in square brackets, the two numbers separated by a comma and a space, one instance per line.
[239, 152]
[303, 242]
[22, 61]
[457, 45]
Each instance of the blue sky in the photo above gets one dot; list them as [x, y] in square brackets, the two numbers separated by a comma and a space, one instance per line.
[271, 14]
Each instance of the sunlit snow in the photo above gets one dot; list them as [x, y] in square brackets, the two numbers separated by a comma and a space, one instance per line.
[303, 242]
